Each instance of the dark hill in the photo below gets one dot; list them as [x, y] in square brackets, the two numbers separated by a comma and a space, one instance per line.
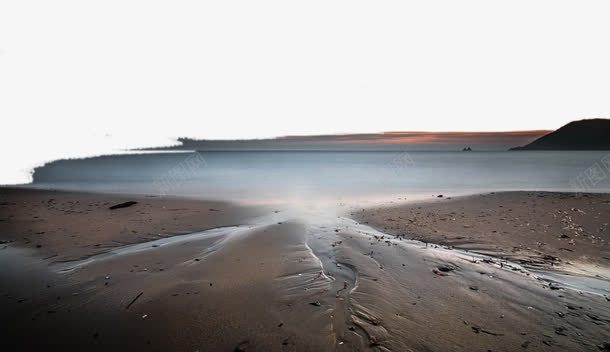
[591, 134]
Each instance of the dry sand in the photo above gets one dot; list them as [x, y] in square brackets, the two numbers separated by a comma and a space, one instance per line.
[278, 282]
[68, 225]
[565, 231]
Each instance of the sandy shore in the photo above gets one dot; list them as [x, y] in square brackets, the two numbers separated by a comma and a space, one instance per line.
[266, 280]
[562, 231]
[67, 225]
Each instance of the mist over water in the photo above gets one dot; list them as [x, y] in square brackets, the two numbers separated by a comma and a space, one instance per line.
[276, 176]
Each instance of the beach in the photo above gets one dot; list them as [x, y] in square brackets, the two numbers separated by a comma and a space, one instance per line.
[563, 231]
[168, 273]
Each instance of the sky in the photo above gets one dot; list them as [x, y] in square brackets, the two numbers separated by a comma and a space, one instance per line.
[82, 78]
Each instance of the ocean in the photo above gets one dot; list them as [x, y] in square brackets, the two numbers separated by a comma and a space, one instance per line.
[311, 176]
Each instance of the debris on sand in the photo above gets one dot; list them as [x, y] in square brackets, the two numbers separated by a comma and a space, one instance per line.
[560, 314]
[474, 288]
[560, 330]
[446, 268]
[478, 329]
[604, 346]
[439, 273]
[123, 205]
[134, 300]
[316, 303]
[242, 346]
[578, 211]
[525, 344]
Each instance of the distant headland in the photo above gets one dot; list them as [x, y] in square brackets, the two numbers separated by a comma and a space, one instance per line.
[592, 134]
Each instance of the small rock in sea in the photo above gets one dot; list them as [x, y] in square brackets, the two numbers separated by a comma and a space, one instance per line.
[439, 196]
[212, 209]
[280, 325]
[316, 303]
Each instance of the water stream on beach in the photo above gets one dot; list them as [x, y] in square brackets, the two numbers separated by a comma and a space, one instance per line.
[322, 227]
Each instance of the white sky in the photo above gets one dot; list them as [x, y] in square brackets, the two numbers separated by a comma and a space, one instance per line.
[87, 77]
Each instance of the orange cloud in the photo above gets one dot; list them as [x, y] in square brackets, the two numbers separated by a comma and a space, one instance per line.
[423, 138]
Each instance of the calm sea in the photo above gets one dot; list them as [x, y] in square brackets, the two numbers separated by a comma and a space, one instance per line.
[270, 176]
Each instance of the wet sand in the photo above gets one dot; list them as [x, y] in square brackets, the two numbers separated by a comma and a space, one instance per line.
[271, 280]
